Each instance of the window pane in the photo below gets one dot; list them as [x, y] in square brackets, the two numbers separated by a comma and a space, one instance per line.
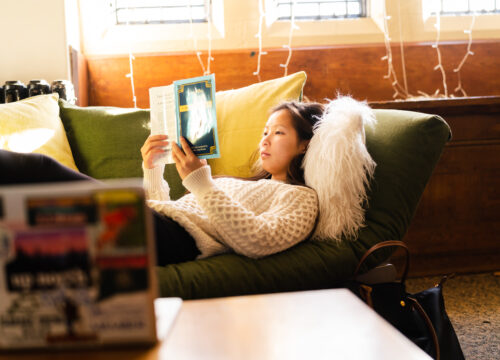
[284, 11]
[156, 3]
[160, 11]
[479, 5]
[306, 10]
[176, 14]
[455, 5]
[197, 13]
[327, 9]
[320, 9]
[353, 8]
[459, 7]
[340, 10]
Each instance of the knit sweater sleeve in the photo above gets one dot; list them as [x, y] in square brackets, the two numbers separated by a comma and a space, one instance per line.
[155, 186]
[289, 219]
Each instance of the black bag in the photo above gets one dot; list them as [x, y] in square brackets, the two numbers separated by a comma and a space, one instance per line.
[421, 316]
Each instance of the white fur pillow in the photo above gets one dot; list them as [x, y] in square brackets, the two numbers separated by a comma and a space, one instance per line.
[338, 166]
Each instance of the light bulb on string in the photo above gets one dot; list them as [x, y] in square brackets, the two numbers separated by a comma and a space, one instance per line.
[195, 40]
[399, 91]
[209, 37]
[401, 47]
[205, 69]
[290, 37]
[459, 87]
[262, 15]
[131, 58]
[439, 66]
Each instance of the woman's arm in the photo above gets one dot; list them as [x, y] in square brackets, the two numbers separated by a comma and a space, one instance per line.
[288, 221]
[155, 186]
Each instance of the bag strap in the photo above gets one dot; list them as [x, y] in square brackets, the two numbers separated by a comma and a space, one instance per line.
[384, 244]
[428, 322]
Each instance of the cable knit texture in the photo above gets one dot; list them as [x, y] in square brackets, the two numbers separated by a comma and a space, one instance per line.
[252, 218]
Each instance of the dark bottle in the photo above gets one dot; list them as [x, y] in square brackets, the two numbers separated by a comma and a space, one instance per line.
[38, 87]
[2, 95]
[15, 90]
[65, 90]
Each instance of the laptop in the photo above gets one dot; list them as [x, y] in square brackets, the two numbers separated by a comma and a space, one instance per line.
[76, 266]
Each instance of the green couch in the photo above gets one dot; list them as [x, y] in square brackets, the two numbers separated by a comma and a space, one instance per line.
[406, 146]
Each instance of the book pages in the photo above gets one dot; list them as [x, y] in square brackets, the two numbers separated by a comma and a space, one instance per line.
[163, 119]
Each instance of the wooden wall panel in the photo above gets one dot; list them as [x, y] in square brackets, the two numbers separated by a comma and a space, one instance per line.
[356, 70]
[456, 226]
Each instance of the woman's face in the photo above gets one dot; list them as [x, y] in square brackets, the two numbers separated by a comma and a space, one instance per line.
[279, 144]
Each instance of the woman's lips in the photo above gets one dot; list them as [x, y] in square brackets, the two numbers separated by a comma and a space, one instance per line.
[264, 155]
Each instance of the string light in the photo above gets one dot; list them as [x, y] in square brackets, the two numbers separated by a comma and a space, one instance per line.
[439, 66]
[131, 58]
[290, 36]
[195, 40]
[403, 66]
[391, 74]
[205, 70]
[468, 52]
[262, 15]
[209, 37]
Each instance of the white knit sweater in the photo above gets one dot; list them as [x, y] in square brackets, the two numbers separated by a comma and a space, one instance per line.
[252, 218]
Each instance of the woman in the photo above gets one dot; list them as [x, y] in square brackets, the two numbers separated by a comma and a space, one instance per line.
[254, 218]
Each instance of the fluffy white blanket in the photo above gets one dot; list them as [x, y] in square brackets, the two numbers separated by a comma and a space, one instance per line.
[338, 166]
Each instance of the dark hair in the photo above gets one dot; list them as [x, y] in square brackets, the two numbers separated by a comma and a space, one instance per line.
[304, 115]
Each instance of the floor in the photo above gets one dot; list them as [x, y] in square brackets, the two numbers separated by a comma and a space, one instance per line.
[473, 304]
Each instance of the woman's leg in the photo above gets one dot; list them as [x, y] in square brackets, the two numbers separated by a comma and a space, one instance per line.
[173, 243]
[19, 168]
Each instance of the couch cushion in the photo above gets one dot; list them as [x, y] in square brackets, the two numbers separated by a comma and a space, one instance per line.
[33, 125]
[406, 146]
[241, 117]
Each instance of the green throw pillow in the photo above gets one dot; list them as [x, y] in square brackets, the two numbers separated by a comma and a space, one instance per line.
[106, 142]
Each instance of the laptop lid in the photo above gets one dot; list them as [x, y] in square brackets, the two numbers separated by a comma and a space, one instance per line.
[76, 265]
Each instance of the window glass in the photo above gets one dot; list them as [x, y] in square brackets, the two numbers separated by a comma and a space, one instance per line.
[321, 10]
[466, 7]
[160, 11]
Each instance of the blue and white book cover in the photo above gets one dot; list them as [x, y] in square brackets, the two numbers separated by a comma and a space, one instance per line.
[196, 115]
[186, 108]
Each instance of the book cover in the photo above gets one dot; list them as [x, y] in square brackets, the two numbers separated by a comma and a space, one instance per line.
[186, 108]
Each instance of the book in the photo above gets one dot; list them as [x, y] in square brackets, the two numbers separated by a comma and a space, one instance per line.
[76, 266]
[186, 108]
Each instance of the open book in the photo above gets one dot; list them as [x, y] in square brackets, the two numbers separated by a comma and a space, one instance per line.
[186, 108]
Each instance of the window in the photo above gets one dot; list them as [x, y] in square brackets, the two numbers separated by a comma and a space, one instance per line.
[466, 7]
[160, 11]
[462, 7]
[321, 10]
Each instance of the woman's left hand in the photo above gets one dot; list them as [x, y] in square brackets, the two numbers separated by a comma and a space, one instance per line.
[185, 161]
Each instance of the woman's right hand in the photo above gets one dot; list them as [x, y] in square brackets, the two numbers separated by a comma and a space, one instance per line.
[154, 144]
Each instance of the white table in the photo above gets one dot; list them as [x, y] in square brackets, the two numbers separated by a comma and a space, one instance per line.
[322, 324]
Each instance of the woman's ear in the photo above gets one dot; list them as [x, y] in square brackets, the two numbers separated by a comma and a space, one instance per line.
[303, 146]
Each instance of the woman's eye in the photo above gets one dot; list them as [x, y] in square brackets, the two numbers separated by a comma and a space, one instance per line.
[279, 132]
[264, 134]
